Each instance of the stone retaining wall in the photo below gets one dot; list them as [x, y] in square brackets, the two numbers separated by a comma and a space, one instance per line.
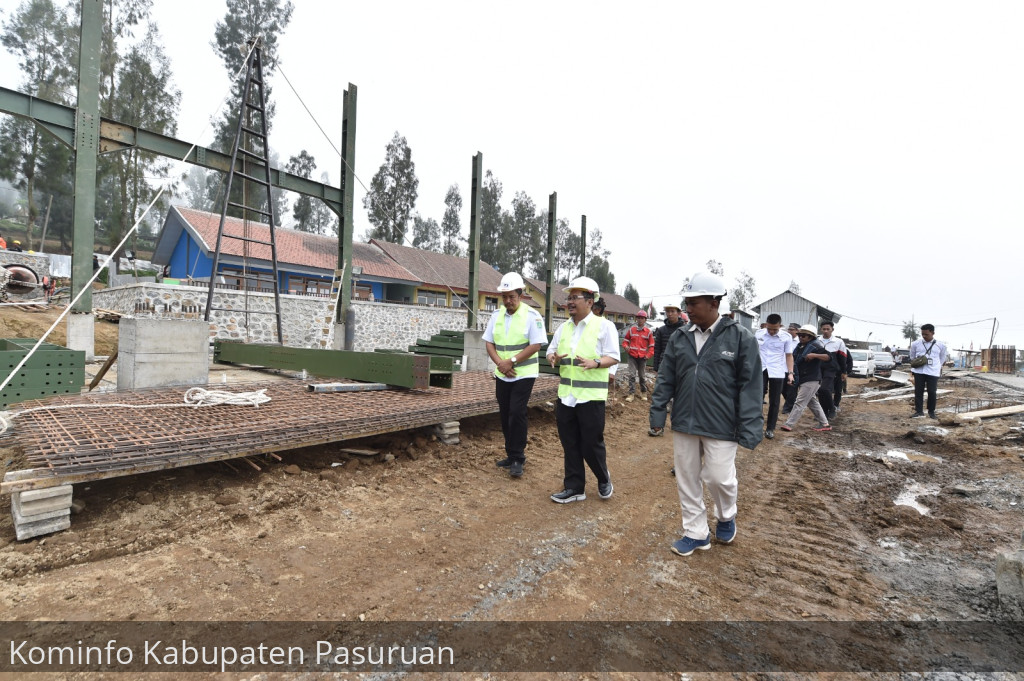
[377, 325]
[38, 263]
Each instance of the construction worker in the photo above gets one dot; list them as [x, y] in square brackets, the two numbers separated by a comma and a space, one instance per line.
[15, 246]
[3, 243]
[583, 348]
[513, 340]
[639, 342]
[711, 372]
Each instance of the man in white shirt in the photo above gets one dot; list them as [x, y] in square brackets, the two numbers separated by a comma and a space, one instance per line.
[513, 344]
[834, 371]
[776, 349]
[583, 348]
[927, 375]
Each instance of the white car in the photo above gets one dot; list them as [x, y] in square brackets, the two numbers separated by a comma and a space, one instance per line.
[863, 363]
[884, 361]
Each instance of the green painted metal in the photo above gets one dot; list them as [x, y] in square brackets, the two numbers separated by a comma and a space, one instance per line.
[403, 370]
[549, 306]
[583, 247]
[59, 120]
[474, 241]
[87, 123]
[51, 370]
[348, 161]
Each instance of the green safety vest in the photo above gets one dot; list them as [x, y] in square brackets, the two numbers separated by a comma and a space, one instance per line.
[590, 385]
[509, 345]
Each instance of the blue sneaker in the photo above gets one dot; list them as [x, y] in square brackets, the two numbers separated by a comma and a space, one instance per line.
[686, 545]
[725, 530]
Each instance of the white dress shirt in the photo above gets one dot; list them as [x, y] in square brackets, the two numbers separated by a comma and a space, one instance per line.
[774, 350]
[701, 337]
[607, 344]
[534, 332]
[935, 360]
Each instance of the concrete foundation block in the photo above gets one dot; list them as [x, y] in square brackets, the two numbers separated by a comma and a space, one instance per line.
[29, 503]
[28, 530]
[81, 334]
[447, 432]
[162, 352]
[20, 519]
[1010, 583]
[476, 352]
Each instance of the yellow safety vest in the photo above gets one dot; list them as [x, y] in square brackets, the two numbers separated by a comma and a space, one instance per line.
[508, 345]
[590, 385]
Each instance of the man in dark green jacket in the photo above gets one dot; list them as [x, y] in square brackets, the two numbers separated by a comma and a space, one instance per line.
[711, 371]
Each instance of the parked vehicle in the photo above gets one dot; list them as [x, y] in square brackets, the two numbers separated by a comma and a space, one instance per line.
[902, 357]
[884, 361]
[863, 363]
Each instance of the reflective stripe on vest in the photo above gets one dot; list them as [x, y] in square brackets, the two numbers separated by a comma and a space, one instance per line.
[508, 345]
[590, 385]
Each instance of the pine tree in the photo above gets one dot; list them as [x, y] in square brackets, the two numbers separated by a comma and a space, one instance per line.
[393, 191]
[451, 225]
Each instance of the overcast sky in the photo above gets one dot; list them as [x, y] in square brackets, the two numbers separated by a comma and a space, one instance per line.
[870, 151]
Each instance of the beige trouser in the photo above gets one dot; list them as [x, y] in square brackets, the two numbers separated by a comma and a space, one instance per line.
[711, 462]
[807, 396]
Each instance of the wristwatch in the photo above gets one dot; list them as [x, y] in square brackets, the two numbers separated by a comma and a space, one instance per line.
[512, 359]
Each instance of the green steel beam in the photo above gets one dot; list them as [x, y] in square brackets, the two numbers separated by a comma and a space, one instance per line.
[402, 370]
[583, 247]
[87, 124]
[549, 307]
[348, 165]
[474, 240]
[59, 120]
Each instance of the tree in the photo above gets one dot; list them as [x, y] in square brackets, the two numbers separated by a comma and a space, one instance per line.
[567, 251]
[243, 20]
[490, 218]
[910, 330]
[426, 234]
[794, 287]
[521, 233]
[742, 296]
[631, 294]
[393, 192]
[302, 165]
[715, 267]
[451, 225]
[599, 270]
[322, 219]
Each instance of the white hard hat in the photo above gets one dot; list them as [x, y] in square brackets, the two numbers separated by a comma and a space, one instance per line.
[704, 284]
[585, 284]
[511, 282]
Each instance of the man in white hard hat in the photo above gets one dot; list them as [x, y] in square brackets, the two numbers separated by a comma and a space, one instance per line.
[639, 345]
[583, 348]
[711, 372]
[513, 340]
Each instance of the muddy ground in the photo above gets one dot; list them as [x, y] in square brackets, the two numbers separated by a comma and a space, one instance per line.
[884, 518]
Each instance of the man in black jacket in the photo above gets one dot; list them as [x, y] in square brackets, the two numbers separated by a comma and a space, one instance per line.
[711, 372]
[674, 319]
[808, 359]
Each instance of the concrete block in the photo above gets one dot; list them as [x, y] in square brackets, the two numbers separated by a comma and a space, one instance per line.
[20, 519]
[162, 352]
[1010, 583]
[81, 334]
[41, 527]
[30, 495]
[162, 336]
[34, 506]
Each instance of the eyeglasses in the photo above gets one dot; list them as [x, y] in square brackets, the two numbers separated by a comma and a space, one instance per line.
[578, 296]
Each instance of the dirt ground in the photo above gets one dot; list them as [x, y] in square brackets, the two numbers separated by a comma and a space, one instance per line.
[426, 531]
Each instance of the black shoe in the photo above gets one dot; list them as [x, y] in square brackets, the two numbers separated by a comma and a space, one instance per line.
[672, 472]
[786, 411]
[932, 415]
[917, 415]
[605, 490]
[831, 415]
[770, 434]
[567, 496]
[504, 463]
[516, 469]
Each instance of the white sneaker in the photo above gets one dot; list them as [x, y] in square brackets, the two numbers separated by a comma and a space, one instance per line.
[643, 397]
[629, 399]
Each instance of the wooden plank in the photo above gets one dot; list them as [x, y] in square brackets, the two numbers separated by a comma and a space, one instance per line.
[103, 370]
[991, 413]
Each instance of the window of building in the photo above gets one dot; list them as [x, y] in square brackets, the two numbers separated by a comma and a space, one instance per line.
[490, 304]
[434, 298]
[254, 281]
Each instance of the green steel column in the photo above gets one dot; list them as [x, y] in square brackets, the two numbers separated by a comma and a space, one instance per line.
[87, 135]
[474, 240]
[549, 308]
[583, 247]
[348, 161]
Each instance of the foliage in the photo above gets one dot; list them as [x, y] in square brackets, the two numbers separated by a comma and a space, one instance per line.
[302, 165]
[794, 287]
[910, 330]
[426, 234]
[599, 270]
[715, 267]
[451, 225]
[393, 192]
[490, 219]
[521, 234]
[631, 294]
[743, 295]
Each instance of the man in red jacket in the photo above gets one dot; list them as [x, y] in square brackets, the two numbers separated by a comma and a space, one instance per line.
[639, 341]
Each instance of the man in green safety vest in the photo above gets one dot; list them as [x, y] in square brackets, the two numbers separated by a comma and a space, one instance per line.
[513, 340]
[582, 348]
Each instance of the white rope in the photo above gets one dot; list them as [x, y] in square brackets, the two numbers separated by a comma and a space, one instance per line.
[194, 397]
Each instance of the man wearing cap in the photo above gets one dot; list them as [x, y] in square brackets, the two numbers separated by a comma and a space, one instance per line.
[639, 343]
[711, 372]
[789, 389]
[776, 348]
[583, 348]
[808, 359]
[512, 343]
[674, 319]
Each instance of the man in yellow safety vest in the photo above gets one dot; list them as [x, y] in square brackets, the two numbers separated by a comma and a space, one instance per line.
[582, 348]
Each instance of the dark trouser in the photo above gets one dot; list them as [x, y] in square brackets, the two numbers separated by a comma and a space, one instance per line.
[773, 387]
[637, 372]
[837, 389]
[512, 399]
[920, 382]
[789, 391]
[826, 393]
[581, 430]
